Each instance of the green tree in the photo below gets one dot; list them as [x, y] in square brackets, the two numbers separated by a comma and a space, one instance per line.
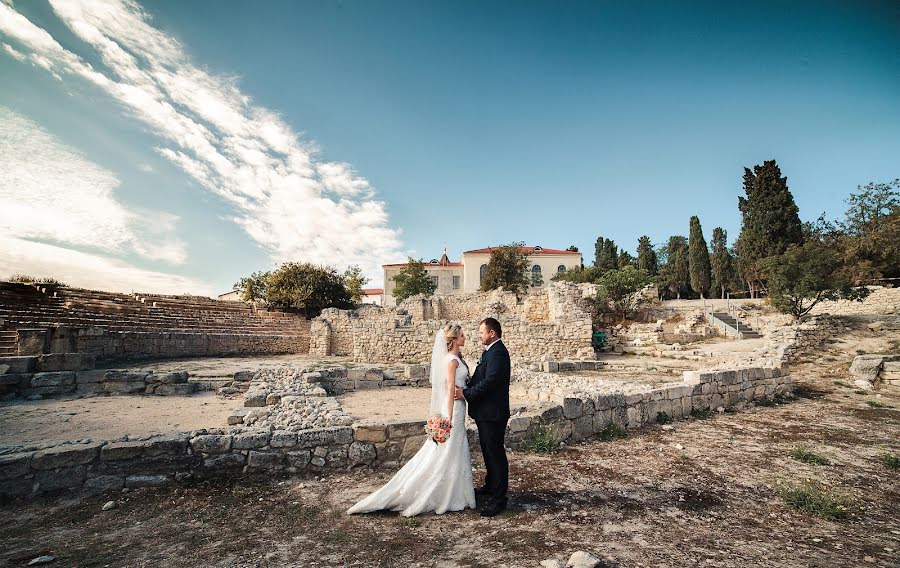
[770, 220]
[412, 280]
[871, 240]
[804, 275]
[572, 248]
[253, 287]
[578, 275]
[698, 259]
[606, 254]
[307, 287]
[507, 268]
[354, 281]
[625, 259]
[721, 262]
[619, 291]
[647, 260]
[676, 275]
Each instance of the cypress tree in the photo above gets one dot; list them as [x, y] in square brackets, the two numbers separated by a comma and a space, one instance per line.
[721, 262]
[606, 255]
[646, 256]
[699, 258]
[770, 220]
[678, 273]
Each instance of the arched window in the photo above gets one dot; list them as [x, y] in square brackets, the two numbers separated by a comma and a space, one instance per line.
[561, 267]
[536, 278]
[481, 273]
[535, 269]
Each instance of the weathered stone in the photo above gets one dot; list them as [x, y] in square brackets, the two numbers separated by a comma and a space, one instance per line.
[583, 559]
[211, 443]
[237, 416]
[65, 362]
[15, 465]
[121, 450]
[66, 455]
[19, 364]
[404, 429]
[572, 408]
[250, 440]
[178, 377]
[283, 439]
[243, 376]
[178, 389]
[518, 424]
[273, 399]
[361, 453]
[16, 487]
[369, 433]
[299, 459]
[225, 461]
[55, 379]
[412, 445]
[65, 478]
[389, 451]
[317, 461]
[552, 414]
[255, 399]
[104, 483]
[166, 444]
[136, 481]
[866, 367]
[94, 376]
[132, 387]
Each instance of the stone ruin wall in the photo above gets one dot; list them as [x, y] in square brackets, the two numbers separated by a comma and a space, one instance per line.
[880, 301]
[550, 323]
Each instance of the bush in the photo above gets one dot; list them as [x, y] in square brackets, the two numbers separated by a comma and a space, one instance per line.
[663, 418]
[28, 279]
[612, 431]
[817, 500]
[890, 460]
[543, 439]
[302, 286]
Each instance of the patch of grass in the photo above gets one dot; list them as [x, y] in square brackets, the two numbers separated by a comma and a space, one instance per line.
[876, 404]
[612, 431]
[701, 414]
[807, 456]
[776, 400]
[890, 460]
[544, 440]
[663, 418]
[819, 501]
[408, 522]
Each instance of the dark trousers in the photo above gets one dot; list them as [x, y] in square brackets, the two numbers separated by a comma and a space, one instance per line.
[491, 435]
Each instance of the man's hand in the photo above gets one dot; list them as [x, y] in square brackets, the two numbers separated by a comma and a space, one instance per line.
[458, 395]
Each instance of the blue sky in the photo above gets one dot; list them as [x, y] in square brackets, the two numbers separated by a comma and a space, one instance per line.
[177, 146]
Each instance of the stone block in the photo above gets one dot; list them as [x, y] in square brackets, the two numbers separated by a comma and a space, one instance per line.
[65, 362]
[366, 385]
[20, 380]
[583, 427]
[176, 378]
[312, 378]
[16, 487]
[54, 379]
[211, 444]
[90, 377]
[65, 478]
[572, 408]
[255, 399]
[177, 389]
[317, 461]
[272, 399]
[237, 416]
[369, 433]
[19, 364]
[166, 444]
[634, 416]
[552, 414]
[137, 481]
[225, 461]
[243, 376]
[866, 367]
[299, 459]
[67, 455]
[104, 483]
[250, 440]
[15, 465]
[415, 371]
[404, 429]
[283, 439]
[121, 450]
[413, 444]
[117, 387]
[265, 460]
[518, 424]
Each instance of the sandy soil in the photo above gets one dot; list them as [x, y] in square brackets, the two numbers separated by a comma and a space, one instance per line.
[708, 493]
[396, 403]
[107, 418]
[228, 366]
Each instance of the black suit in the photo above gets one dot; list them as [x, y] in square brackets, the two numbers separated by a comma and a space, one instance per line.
[488, 398]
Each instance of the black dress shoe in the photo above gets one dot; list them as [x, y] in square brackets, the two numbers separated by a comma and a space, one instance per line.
[482, 491]
[494, 509]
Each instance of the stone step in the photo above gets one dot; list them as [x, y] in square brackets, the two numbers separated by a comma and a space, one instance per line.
[210, 383]
[891, 366]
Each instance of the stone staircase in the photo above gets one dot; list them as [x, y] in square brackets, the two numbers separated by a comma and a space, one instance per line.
[8, 344]
[732, 326]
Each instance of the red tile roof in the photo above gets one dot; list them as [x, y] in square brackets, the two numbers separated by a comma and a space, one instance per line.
[373, 291]
[428, 265]
[525, 250]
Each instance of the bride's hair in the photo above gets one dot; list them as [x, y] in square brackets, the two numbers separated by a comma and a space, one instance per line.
[452, 331]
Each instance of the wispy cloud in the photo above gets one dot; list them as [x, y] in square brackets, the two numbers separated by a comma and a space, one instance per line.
[48, 191]
[88, 270]
[289, 200]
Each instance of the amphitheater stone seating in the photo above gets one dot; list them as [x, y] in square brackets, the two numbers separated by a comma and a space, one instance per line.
[114, 324]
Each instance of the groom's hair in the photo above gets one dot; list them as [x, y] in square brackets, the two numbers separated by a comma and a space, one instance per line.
[491, 323]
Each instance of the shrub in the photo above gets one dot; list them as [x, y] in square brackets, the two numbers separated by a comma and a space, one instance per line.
[612, 431]
[811, 498]
[543, 439]
[890, 460]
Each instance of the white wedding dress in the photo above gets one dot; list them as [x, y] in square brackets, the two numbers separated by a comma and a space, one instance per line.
[439, 477]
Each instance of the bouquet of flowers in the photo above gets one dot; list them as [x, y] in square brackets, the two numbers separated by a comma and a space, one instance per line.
[438, 429]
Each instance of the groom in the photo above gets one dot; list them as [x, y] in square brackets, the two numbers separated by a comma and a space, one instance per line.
[488, 398]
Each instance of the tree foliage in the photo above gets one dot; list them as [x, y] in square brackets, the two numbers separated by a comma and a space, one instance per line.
[606, 254]
[507, 268]
[770, 220]
[307, 287]
[354, 281]
[871, 240]
[625, 259]
[619, 291]
[806, 274]
[675, 275]
[698, 256]
[721, 263]
[411, 280]
[578, 275]
[253, 287]
[646, 259]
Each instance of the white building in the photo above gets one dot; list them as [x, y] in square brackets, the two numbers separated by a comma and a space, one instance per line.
[466, 276]
[374, 296]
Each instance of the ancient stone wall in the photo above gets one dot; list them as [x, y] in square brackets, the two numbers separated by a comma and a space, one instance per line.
[880, 301]
[531, 331]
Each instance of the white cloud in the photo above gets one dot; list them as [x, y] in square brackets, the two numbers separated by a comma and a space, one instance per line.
[48, 191]
[91, 271]
[296, 205]
[18, 55]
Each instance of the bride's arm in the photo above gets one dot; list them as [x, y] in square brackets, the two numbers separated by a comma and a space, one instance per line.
[451, 385]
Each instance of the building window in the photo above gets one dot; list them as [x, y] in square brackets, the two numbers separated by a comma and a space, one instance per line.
[536, 278]
[561, 267]
[481, 273]
[434, 279]
[456, 282]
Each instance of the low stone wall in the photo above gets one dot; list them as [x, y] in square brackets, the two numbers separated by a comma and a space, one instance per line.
[113, 345]
[880, 301]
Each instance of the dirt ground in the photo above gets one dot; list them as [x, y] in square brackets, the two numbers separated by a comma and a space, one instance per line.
[708, 493]
[109, 418]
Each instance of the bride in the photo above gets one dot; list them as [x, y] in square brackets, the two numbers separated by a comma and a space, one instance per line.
[439, 477]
